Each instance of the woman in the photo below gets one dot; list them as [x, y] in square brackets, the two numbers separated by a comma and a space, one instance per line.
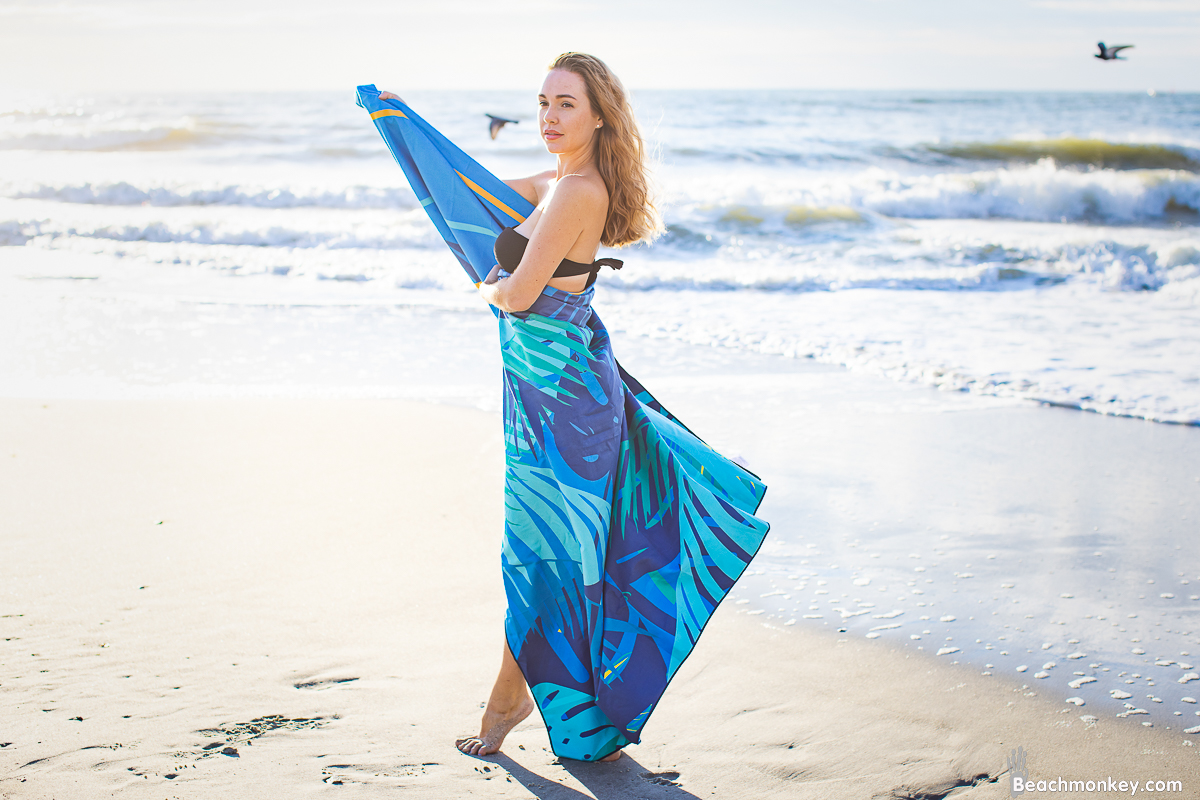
[623, 531]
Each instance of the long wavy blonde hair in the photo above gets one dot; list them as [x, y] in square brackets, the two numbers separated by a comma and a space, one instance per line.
[619, 154]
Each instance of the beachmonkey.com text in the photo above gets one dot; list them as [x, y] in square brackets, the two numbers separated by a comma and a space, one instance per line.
[1027, 786]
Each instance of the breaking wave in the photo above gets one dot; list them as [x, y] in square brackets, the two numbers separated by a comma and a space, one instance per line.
[370, 235]
[122, 193]
[151, 138]
[1040, 192]
[884, 258]
[1037, 192]
[1077, 152]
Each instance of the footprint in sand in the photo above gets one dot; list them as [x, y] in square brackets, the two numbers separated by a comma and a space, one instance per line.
[245, 732]
[668, 778]
[323, 683]
[376, 774]
[939, 791]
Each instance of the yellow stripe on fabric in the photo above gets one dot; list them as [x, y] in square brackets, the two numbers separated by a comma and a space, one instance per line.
[389, 112]
[479, 190]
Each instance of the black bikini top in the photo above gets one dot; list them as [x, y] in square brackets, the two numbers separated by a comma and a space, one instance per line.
[510, 248]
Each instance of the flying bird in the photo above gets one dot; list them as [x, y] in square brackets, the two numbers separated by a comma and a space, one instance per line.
[497, 123]
[1105, 54]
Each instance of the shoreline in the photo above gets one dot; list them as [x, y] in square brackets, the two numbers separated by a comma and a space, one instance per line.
[375, 338]
[313, 584]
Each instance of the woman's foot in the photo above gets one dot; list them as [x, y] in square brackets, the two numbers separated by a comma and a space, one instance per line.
[495, 726]
[612, 756]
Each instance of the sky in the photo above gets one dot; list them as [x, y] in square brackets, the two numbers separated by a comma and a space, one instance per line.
[225, 45]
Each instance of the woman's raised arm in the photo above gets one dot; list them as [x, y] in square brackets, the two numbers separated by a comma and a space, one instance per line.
[530, 188]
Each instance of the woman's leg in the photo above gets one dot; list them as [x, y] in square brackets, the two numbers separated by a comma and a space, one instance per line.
[509, 704]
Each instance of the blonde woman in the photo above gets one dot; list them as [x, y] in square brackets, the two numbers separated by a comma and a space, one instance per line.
[623, 531]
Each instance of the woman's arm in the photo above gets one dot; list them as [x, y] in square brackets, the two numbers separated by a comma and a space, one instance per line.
[530, 188]
[576, 203]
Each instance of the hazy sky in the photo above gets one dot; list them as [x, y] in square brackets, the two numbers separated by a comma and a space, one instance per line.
[318, 44]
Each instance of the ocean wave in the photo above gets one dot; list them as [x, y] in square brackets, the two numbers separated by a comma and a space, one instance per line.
[711, 226]
[796, 216]
[1077, 152]
[811, 154]
[15, 233]
[122, 193]
[1040, 192]
[370, 236]
[1109, 264]
[888, 259]
[818, 153]
[823, 278]
[147, 138]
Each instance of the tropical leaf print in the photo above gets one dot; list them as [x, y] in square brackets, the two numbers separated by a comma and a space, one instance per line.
[623, 530]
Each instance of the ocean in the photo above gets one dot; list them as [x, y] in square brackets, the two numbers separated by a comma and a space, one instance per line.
[1037, 246]
[1003, 249]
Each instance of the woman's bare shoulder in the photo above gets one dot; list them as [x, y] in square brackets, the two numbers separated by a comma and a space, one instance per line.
[582, 189]
[534, 187]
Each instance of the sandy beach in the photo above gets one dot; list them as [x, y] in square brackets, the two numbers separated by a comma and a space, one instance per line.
[253, 598]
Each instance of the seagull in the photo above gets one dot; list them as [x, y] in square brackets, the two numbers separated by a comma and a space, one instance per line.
[497, 123]
[1105, 54]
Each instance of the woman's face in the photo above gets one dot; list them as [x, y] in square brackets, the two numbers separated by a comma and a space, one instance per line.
[565, 117]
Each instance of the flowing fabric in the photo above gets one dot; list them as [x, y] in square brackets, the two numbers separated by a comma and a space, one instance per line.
[623, 531]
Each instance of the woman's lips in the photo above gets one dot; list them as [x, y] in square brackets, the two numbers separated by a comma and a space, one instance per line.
[551, 134]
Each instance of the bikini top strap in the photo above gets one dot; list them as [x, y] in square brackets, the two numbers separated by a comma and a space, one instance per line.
[615, 263]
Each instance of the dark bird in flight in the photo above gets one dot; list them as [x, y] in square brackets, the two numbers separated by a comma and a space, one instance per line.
[497, 123]
[1105, 54]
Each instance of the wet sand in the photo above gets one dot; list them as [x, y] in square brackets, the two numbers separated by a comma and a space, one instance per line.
[284, 598]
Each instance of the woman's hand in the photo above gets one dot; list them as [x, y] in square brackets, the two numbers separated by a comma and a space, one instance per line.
[389, 96]
[489, 290]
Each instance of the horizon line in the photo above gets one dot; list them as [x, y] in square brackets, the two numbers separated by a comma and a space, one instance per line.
[632, 90]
